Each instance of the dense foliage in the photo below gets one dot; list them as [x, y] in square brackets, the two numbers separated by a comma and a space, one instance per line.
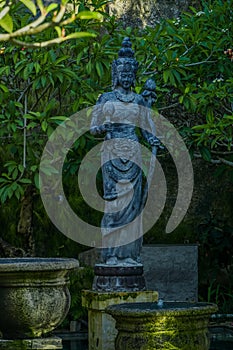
[190, 58]
[38, 17]
[185, 56]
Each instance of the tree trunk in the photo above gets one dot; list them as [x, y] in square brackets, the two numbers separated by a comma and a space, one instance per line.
[25, 225]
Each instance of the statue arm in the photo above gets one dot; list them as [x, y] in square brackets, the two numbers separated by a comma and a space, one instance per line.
[97, 120]
[149, 136]
[147, 125]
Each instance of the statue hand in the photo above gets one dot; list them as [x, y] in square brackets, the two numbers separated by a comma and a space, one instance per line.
[153, 141]
[107, 126]
[96, 130]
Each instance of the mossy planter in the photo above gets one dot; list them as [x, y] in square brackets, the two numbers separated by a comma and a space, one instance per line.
[177, 325]
[34, 297]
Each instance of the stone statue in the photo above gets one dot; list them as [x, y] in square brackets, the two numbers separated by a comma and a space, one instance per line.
[116, 114]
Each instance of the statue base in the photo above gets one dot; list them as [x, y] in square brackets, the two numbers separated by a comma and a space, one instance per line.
[32, 344]
[111, 278]
[101, 326]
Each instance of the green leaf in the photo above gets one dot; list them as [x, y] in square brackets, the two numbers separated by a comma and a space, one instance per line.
[60, 59]
[27, 71]
[18, 104]
[9, 192]
[166, 75]
[206, 155]
[15, 174]
[52, 55]
[30, 5]
[79, 57]
[7, 23]
[36, 181]
[61, 118]
[4, 88]
[99, 69]
[4, 194]
[33, 168]
[51, 7]
[58, 30]
[17, 193]
[3, 180]
[37, 67]
[181, 98]
[21, 168]
[44, 125]
[90, 15]
[59, 76]
[10, 163]
[40, 5]
[4, 12]
[25, 181]
[31, 125]
[200, 127]
[43, 80]
[229, 117]
[4, 70]
[48, 169]
[78, 35]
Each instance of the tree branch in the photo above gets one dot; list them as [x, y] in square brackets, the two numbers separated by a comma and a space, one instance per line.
[24, 30]
[222, 153]
[39, 25]
[216, 161]
[41, 44]
[227, 162]
[170, 106]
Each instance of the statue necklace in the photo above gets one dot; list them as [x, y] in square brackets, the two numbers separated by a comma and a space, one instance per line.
[124, 97]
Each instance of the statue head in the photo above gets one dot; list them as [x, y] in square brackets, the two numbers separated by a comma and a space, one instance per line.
[124, 65]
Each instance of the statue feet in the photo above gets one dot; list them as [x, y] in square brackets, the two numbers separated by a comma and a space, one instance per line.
[113, 261]
[129, 261]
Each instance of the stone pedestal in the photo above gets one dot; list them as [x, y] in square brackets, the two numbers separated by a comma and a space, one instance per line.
[101, 326]
[52, 343]
[119, 278]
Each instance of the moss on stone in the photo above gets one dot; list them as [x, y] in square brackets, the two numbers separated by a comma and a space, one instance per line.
[90, 297]
[145, 326]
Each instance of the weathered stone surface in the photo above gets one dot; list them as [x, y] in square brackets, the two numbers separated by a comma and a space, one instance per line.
[146, 326]
[101, 326]
[90, 257]
[172, 270]
[118, 278]
[34, 297]
[51, 343]
[150, 12]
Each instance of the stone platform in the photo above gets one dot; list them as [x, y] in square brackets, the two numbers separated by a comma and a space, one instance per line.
[118, 278]
[101, 326]
[52, 343]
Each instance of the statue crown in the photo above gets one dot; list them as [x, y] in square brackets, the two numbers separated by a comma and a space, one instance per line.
[126, 49]
[125, 61]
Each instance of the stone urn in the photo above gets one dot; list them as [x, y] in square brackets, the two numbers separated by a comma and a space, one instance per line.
[175, 325]
[34, 297]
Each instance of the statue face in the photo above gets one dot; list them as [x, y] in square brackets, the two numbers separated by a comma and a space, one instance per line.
[126, 79]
